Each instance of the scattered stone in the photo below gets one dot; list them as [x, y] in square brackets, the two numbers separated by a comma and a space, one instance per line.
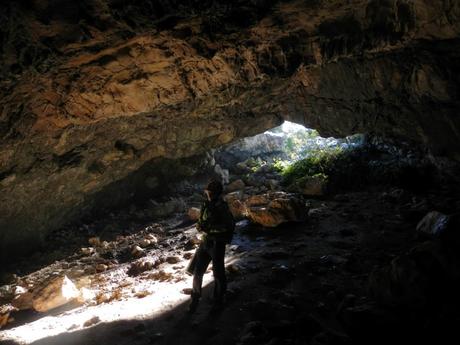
[152, 238]
[235, 186]
[172, 259]
[193, 213]
[94, 320]
[145, 243]
[103, 297]
[160, 276]
[137, 251]
[139, 267]
[94, 241]
[142, 294]
[101, 267]
[87, 250]
[187, 291]
[56, 293]
[187, 256]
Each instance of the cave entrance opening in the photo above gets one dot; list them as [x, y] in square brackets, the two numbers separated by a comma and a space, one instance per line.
[283, 155]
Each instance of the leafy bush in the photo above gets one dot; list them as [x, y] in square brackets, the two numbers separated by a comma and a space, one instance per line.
[318, 162]
[297, 144]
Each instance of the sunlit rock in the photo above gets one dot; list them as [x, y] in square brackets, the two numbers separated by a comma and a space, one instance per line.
[56, 293]
[273, 209]
[139, 267]
[236, 205]
[137, 251]
[101, 267]
[23, 298]
[144, 243]
[94, 320]
[87, 250]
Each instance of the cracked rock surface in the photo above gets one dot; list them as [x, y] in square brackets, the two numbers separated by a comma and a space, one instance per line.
[98, 96]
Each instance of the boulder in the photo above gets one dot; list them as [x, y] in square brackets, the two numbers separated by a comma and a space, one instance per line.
[23, 299]
[434, 224]
[236, 205]
[56, 293]
[235, 186]
[273, 209]
[258, 200]
[311, 185]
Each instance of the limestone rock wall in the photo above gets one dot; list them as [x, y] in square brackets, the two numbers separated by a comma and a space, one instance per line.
[94, 90]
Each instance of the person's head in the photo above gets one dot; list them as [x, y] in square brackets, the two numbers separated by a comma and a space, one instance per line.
[214, 189]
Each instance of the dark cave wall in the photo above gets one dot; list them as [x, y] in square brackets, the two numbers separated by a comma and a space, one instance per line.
[91, 91]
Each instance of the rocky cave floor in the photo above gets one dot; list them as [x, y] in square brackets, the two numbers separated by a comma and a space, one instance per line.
[300, 283]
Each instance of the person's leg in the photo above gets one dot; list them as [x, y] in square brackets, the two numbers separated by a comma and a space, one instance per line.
[202, 261]
[218, 268]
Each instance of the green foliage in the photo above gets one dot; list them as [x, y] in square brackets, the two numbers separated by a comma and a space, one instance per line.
[317, 163]
[280, 165]
[295, 146]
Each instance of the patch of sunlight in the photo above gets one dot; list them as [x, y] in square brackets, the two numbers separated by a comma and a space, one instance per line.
[290, 127]
[164, 297]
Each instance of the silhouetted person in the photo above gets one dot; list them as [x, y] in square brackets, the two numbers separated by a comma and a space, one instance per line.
[217, 224]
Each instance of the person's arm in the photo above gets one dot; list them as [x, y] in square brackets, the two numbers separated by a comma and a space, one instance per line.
[203, 222]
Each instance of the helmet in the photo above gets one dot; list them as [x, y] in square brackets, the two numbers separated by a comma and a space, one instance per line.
[215, 187]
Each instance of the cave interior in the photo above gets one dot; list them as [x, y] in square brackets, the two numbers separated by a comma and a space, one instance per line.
[333, 127]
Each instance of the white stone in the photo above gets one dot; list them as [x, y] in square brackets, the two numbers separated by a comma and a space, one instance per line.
[58, 292]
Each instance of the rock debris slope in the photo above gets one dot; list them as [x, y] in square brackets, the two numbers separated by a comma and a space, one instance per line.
[96, 90]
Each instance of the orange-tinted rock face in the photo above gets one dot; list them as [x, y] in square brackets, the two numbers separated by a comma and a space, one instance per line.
[94, 90]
